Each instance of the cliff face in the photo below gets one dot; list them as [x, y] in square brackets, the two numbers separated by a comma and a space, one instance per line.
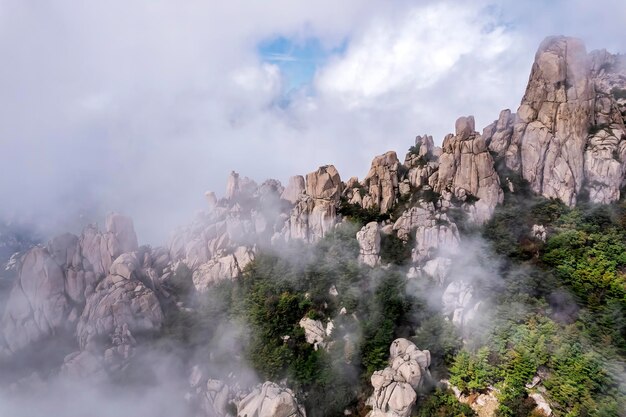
[568, 135]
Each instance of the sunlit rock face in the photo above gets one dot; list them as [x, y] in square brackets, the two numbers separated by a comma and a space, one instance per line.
[567, 137]
[294, 188]
[422, 164]
[381, 182]
[315, 211]
[466, 167]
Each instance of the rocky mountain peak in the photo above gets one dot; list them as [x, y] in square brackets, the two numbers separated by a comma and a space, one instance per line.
[324, 183]
[568, 134]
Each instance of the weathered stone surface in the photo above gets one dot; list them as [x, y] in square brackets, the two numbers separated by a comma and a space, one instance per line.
[118, 301]
[270, 400]
[484, 404]
[498, 135]
[423, 214]
[394, 387]
[223, 268]
[433, 231]
[542, 405]
[465, 127]
[100, 249]
[407, 351]
[37, 306]
[211, 199]
[125, 265]
[120, 234]
[211, 396]
[53, 282]
[315, 212]
[221, 242]
[604, 173]
[369, 244]
[314, 332]
[569, 131]
[322, 220]
[539, 231]
[237, 186]
[324, 183]
[466, 167]
[295, 187]
[381, 182]
[424, 145]
[438, 269]
[432, 240]
[555, 114]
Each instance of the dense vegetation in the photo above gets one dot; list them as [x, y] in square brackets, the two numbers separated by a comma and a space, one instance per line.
[561, 312]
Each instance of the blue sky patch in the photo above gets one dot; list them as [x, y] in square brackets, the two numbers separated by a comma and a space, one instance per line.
[297, 59]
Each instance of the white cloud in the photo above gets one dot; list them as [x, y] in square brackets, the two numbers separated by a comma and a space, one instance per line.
[142, 106]
[412, 52]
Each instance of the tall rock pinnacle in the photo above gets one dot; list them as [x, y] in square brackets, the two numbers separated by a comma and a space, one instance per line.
[568, 135]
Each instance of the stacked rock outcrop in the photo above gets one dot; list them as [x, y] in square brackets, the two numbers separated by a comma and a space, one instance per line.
[395, 386]
[568, 134]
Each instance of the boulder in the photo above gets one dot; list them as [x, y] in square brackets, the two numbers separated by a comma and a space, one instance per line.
[295, 187]
[542, 405]
[369, 244]
[211, 396]
[381, 182]
[395, 386]
[100, 249]
[324, 183]
[314, 332]
[539, 232]
[270, 400]
[227, 267]
[498, 134]
[466, 168]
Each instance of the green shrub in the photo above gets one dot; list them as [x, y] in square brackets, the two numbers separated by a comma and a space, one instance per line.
[443, 403]
[360, 215]
[472, 372]
[394, 250]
